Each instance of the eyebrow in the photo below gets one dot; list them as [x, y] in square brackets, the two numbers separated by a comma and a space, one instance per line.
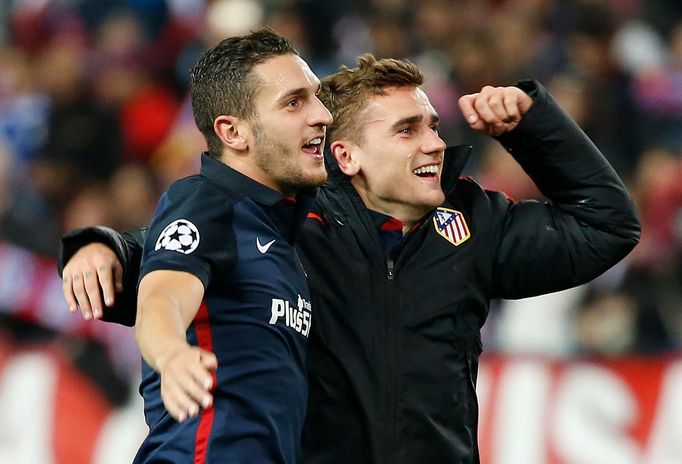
[299, 92]
[413, 120]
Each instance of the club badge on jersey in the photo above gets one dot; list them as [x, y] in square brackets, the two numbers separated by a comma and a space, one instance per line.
[450, 225]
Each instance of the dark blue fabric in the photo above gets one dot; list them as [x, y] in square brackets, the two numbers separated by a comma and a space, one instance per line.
[391, 240]
[259, 318]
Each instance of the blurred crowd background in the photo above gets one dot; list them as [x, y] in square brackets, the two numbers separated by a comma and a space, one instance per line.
[95, 123]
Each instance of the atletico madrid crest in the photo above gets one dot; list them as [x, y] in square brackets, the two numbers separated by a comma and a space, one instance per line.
[450, 224]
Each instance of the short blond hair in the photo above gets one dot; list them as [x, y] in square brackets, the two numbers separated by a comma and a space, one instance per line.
[347, 92]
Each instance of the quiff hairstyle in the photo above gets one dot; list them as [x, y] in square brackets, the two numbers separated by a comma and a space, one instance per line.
[347, 92]
[222, 83]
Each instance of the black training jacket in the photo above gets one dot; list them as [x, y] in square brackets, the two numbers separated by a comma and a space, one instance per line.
[394, 347]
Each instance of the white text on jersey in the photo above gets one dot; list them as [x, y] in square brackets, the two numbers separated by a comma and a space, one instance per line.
[298, 318]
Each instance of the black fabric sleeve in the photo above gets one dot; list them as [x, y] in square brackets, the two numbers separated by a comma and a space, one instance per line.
[589, 222]
[128, 249]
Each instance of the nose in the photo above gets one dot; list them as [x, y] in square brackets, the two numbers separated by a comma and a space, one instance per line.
[433, 144]
[319, 115]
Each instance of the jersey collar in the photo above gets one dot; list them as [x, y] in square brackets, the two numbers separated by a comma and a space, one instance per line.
[233, 180]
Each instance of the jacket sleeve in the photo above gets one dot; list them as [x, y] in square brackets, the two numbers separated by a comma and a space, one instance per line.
[128, 249]
[589, 222]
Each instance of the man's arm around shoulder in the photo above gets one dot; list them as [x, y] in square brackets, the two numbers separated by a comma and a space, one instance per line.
[99, 269]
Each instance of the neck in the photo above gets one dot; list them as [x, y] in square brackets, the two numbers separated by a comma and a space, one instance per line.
[245, 165]
[407, 214]
[407, 221]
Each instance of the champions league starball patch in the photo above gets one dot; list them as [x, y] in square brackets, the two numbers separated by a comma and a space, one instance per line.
[450, 224]
[180, 235]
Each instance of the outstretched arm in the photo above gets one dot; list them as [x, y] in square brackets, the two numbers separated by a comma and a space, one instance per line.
[168, 302]
[99, 269]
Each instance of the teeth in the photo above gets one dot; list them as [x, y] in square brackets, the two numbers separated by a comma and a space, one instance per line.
[433, 169]
[315, 141]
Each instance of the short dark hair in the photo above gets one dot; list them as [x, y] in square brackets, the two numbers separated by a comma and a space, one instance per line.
[221, 82]
[347, 92]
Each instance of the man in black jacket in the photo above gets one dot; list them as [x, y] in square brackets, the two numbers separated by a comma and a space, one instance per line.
[403, 257]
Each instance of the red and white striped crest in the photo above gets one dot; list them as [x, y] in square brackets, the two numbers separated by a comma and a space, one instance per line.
[450, 224]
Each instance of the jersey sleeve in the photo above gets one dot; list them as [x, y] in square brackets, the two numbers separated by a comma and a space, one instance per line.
[191, 232]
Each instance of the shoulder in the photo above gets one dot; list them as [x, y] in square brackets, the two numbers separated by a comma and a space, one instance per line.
[196, 198]
[199, 191]
[472, 196]
[192, 230]
[197, 207]
[466, 189]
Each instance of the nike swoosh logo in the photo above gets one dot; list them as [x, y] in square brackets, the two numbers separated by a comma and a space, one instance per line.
[263, 248]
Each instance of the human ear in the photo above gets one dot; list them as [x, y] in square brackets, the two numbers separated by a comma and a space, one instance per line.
[231, 132]
[343, 154]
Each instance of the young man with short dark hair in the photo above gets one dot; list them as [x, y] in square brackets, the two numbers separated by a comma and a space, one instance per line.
[223, 306]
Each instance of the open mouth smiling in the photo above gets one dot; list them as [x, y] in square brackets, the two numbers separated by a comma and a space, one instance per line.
[314, 146]
[427, 171]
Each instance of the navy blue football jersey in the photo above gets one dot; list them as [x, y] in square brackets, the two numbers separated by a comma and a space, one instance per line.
[237, 236]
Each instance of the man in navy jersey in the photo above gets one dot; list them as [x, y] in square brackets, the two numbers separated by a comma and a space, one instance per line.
[223, 306]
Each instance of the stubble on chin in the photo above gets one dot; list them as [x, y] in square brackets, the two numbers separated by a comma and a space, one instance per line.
[284, 166]
[299, 182]
[289, 175]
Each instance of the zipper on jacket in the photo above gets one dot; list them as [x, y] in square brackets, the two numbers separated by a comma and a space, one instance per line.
[388, 454]
[389, 268]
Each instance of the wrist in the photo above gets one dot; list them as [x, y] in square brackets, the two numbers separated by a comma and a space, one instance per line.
[78, 238]
[167, 353]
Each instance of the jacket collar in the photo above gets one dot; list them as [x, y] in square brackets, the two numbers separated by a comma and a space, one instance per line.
[453, 164]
